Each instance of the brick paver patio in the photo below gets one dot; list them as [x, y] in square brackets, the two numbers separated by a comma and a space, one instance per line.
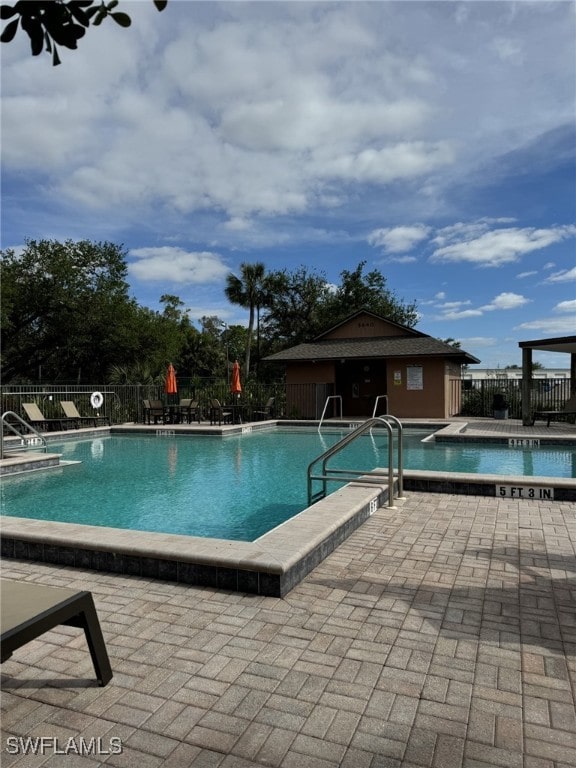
[440, 634]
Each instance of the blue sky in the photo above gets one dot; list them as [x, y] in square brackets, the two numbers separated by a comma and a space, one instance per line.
[434, 140]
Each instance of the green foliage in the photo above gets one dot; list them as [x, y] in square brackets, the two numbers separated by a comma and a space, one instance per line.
[67, 316]
[60, 22]
[358, 291]
[250, 291]
[301, 304]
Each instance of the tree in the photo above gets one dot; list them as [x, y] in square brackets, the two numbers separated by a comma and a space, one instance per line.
[358, 291]
[62, 22]
[67, 315]
[250, 292]
[301, 304]
[293, 306]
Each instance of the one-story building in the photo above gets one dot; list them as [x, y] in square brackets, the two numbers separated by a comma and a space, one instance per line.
[367, 363]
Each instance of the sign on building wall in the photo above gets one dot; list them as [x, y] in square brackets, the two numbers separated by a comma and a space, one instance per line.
[397, 378]
[414, 377]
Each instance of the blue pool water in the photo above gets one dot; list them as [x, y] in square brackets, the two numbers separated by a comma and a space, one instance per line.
[238, 487]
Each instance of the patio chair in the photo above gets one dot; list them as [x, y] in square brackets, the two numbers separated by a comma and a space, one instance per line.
[217, 413]
[189, 409]
[71, 412]
[36, 419]
[266, 411]
[28, 610]
[153, 409]
[569, 409]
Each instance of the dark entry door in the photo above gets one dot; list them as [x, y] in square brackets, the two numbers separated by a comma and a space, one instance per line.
[360, 382]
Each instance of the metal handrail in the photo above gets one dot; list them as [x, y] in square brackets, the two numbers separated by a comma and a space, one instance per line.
[400, 458]
[380, 397]
[12, 428]
[352, 474]
[330, 397]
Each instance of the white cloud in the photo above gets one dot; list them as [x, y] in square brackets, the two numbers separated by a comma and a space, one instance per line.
[273, 109]
[461, 315]
[505, 301]
[501, 246]
[479, 341]
[175, 265]
[398, 239]
[555, 326]
[530, 273]
[452, 310]
[567, 306]
[564, 276]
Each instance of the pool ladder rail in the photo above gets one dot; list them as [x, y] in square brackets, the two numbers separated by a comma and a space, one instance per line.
[368, 476]
[34, 441]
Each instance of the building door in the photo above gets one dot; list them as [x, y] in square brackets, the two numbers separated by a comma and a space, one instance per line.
[359, 382]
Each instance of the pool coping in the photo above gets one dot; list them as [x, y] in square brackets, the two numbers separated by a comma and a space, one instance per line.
[273, 564]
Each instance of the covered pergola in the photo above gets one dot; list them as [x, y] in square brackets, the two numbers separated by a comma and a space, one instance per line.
[565, 344]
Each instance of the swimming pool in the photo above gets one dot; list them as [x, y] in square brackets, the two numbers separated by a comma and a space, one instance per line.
[236, 488]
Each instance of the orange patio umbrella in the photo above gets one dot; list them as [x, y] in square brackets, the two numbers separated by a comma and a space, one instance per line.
[171, 386]
[235, 386]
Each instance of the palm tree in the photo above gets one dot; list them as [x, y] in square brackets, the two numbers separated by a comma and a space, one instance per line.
[247, 291]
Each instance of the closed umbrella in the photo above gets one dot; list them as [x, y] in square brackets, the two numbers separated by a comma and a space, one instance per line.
[235, 386]
[171, 386]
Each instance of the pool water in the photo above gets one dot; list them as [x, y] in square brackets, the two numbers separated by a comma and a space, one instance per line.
[238, 487]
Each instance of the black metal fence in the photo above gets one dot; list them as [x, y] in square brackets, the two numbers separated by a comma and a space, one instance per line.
[546, 394]
[124, 402]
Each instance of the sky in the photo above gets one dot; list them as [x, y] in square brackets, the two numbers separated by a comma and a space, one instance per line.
[435, 141]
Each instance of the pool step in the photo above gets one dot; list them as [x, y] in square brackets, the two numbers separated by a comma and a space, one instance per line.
[17, 463]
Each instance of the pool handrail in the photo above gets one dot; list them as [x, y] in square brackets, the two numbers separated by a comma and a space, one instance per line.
[352, 474]
[378, 398]
[330, 397]
[24, 445]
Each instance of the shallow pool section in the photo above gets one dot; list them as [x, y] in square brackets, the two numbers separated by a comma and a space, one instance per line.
[233, 488]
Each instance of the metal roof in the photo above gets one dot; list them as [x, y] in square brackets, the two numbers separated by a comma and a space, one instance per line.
[559, 344]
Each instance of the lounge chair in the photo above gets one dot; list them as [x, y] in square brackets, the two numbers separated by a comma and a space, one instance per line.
[218, 414]
[36, 418]
[28, 610]
[71, 412]
[266, 411]
[569, 409]
[189, 409]
[154, 409]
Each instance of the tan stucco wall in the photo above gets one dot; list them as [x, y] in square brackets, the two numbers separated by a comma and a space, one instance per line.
[432, 401]
[417, 403]
[365, 327]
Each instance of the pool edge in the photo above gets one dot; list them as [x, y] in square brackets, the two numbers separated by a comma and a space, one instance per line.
[272, 565]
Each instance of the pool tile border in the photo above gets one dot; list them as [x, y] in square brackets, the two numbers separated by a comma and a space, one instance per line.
[272, 565]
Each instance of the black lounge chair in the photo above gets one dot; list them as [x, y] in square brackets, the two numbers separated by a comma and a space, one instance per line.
[569, 409]
[28, 610]
[71, 412]
[36, 418]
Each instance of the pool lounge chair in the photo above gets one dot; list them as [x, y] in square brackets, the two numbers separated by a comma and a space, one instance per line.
[71, 412]
[28, 610]
[569, 409]
[36, 419]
